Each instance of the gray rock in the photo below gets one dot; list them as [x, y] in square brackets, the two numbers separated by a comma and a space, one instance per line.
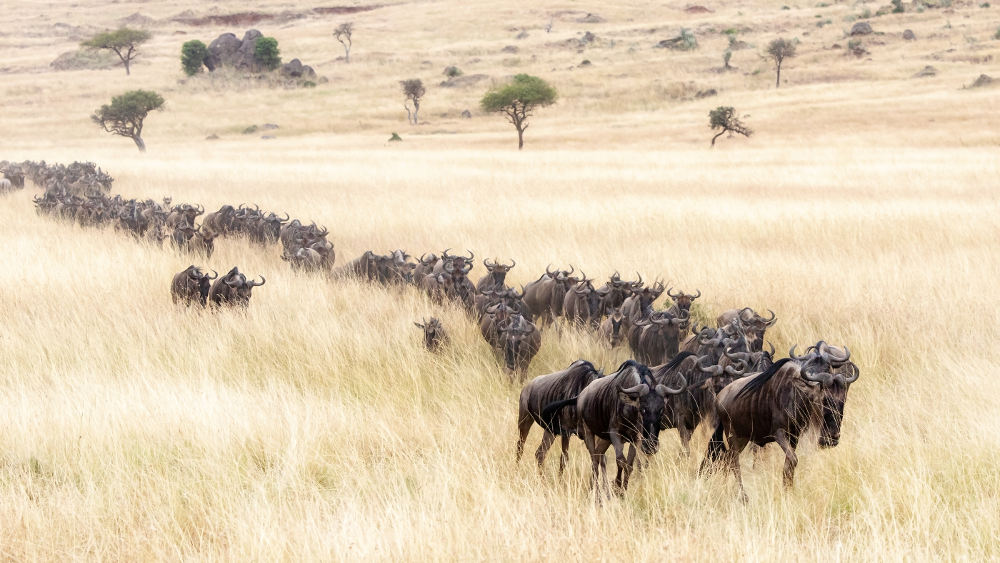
[591, 18]
[222, 50]
[295, 69]
[510, 49]
[463, 81]
[909, 35]
[926, 71]
[861, 28]
[983, 80]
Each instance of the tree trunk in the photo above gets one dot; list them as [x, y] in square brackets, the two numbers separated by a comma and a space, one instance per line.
[520, 137]
[347, 54]
[127, 64]
[777, 82]
[416, 108]
[719, 134]
[139, 143]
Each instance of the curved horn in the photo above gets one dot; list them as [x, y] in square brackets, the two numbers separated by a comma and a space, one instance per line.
[852, 376]
[831, 355]
[548, 271]
[791, 354]
[663, 390]
[772, 320]
[673, 296]
[713, 371]
[486, 262]
[736, 371]
[823, 378]
[213, 277]
[696, 296]
[642, 389]
[287, 217]
[571, 270]
[262, 281]
[467, 268]
[640, 278]
[512, 263]
[444, 253]
[771, 346]
[471, 255]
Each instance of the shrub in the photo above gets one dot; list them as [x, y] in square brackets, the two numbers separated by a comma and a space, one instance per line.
[266, 53]
[193, 55]
[452, 71]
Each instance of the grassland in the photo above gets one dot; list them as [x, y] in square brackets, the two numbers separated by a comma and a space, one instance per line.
[864, 211]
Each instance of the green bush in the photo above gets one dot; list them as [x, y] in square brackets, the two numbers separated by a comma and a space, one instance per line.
[193, 55]
[266, 53]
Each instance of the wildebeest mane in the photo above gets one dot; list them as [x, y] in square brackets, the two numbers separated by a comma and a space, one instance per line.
[677, 360]
[760, 380]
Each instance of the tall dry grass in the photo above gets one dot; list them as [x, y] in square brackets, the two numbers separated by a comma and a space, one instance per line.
[314, 426]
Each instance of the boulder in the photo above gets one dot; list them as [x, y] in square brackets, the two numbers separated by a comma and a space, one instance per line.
[227, 50]
[295, 69]
[925, 72]
[909, 36]
[861, 28]
[591, 18]
[983, 80]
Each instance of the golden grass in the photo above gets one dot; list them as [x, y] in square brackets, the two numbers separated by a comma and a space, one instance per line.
[314, 427]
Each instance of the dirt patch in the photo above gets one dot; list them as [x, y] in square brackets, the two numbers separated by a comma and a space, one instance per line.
[695, 9]
[137, 20]
[983, 80]
[339, 10]
[238, 19]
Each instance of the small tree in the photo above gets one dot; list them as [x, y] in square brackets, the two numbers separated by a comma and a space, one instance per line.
[413, 90]
[126, 113]
[124, 42]
[343, 34]
[193, 55]
[725, 60]
[779, 50]
[266, 53]
[724, 118]
[518, 100]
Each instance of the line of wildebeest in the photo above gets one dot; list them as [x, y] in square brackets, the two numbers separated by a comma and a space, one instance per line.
[681, 374]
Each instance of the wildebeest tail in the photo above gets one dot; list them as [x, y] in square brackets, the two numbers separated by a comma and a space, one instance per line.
[716, 445]
[550, 414]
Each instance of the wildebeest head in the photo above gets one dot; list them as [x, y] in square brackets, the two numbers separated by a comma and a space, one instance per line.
[433, 332]
[498, 271]
[754, 326]
[829, 368]
[644, 402]
[683, 300]
[241, 288]
[457, 265]
[516, 334]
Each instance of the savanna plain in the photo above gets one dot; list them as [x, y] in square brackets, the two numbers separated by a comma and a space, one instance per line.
[864, 210]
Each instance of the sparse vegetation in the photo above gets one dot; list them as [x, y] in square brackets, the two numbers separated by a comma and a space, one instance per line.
[343, 34]
[266, 53]
[724, 119]
[518, 100]
[126, 114]
[413, 92]
[778, 51]
[124, 42]
[452, 71]
[193, 55]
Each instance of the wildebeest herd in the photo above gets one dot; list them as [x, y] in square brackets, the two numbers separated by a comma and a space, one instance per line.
[682, 374]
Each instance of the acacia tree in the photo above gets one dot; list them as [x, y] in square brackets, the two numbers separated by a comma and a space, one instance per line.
[724, 118]
[343, 34]
[779, 50]
[124, 42]
[518, 100]
[193, 55]
[413, 90]
[126, 113]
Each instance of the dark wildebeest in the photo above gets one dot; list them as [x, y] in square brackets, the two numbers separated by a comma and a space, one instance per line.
[615, 291]
[622, 408]
[496, 276]
[611, 332]
[682, 302]
[657, 339]
[753, 325]
[778, 405]
[434, 335]
[521, 341]
[233, 289]
[437, 286]
[544, 296]
[424, 266]
[191, 286]
[547, 389]
[364, 267]
[582, 303]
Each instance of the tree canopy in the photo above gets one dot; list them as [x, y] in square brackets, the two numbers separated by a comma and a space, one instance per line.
[125, 114]
[518, 99]
[266, 53]
[413, 91]
[778, 50]
[193, 55]
[724, 118]
[123, 41]
[343, 34]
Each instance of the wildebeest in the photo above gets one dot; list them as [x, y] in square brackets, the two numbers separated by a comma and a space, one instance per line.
[495, 277]
[582, 303]
[621, 408]
[438, 286]
[233, 289]
[657, 339]
[753, 325]
[682, 302]
[191, 286]
[611, 331]
[544, 296]
[424, 266]
[364, 267]
[6, 185]
[434, 334]
[778, 405]
[547, 389]
[521, 341]
[615, 291]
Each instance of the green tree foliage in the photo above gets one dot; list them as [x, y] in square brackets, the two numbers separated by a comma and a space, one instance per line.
[724, 118]
[265, 52]
[124, 42]
[779, 50]
[413, 91]
[193, 55]
[343, 34]
[126, 113]
[517, 101]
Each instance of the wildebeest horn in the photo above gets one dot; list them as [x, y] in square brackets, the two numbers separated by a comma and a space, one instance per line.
[253, 283]
[471, 255]
[195, 272]
[486, 262]
[772, 348]
[714, 371]
[444, 253]
[287, 217]
[512, 263]
[736, 371]
[615, 276]
[213, 277]
[736, 356]
[744, 310]
[852, 377]
[823, 378]
[640, 278]
[772, 320]
[200, 209]
[791, 354]
[642, 389]
[696, 296]
[571, 270]
[548, 271]
[830, 354]
[419, 325]
[663, 390]
[468, 267]
[672, 295]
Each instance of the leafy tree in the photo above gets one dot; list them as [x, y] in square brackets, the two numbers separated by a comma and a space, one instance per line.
[779, 50]
[265, 52]
[193, 55]
[414, 90]
[343, 34]
[124, 42]
[724, 118]
[125, 115]
[518, 101]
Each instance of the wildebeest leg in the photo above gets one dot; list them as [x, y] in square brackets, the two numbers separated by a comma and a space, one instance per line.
[758, 454]
[736, 446]
[543, 448]
[620, 459]
[629, 464]
[564, 457]
[791, 460]
[685, 433]
[602, 447]
[523, 427]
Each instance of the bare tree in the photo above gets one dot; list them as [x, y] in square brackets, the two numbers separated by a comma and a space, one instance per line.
[414, 90]
[779, 50]
[724, 118]
[343, 34]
